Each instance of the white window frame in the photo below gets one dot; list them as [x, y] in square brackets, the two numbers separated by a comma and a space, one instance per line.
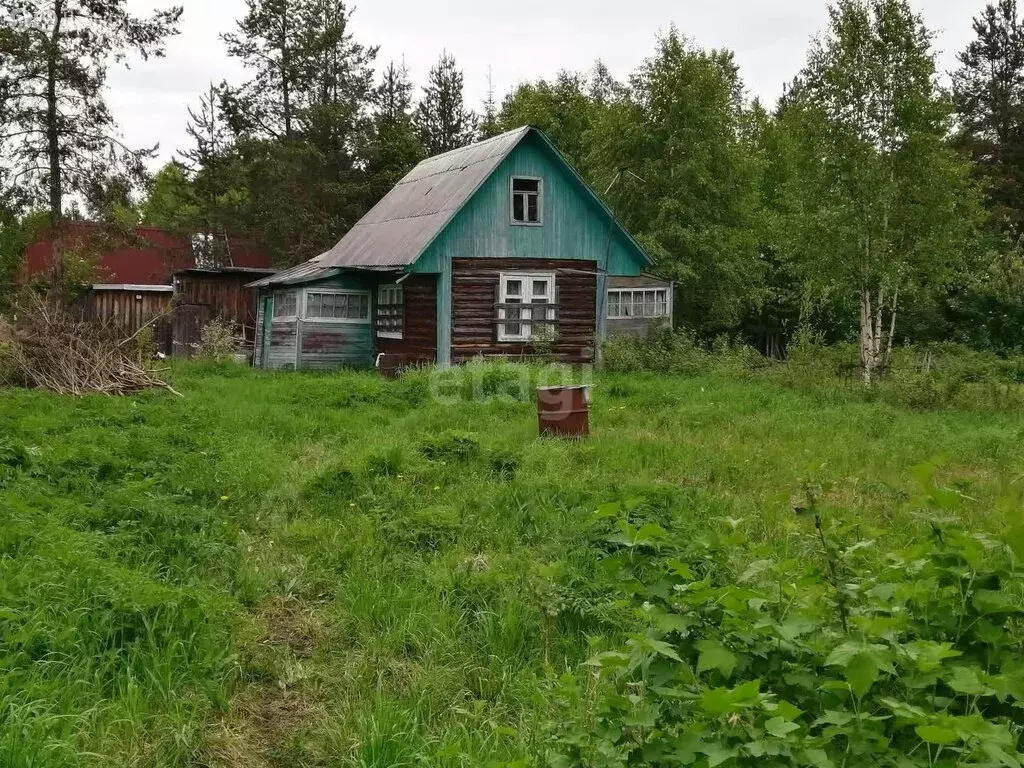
[276, 318]
[400, 291]
[526, 209]
[667, 302]
[335, 320]
[527, 278]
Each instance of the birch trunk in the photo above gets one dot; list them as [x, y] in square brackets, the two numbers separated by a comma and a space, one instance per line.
[866, 358]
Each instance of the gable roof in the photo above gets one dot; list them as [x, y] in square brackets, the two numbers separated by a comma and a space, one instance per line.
[397, 231]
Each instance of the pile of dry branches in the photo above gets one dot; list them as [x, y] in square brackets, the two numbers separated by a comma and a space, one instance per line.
[46, 346]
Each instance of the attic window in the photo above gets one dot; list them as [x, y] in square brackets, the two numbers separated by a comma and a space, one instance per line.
[526, 200]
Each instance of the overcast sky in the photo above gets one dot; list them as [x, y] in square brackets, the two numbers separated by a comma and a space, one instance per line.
[518, 40]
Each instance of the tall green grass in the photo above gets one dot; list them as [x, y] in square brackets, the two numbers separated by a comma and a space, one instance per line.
[339, 570]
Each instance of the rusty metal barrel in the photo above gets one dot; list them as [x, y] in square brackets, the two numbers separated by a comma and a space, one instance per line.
[564, 411]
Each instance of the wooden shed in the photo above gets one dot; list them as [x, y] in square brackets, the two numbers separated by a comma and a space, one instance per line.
[202, 295]
[131, 307]
[496, 249]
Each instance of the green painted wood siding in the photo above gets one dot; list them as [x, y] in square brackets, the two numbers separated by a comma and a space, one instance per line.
[281, 355]
[257, 350]
[329, 346]
[574, 226]
[325, 345]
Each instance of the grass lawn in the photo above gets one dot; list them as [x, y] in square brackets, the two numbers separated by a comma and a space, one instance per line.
[336, 570]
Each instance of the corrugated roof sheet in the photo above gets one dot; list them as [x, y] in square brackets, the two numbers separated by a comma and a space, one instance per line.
[396, 232]
[398, 229]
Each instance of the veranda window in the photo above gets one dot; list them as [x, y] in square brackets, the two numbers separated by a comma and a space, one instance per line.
[624, 304]
[337, 306]
[285, 305]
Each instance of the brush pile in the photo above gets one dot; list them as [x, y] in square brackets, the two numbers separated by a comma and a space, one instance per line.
[46, 346]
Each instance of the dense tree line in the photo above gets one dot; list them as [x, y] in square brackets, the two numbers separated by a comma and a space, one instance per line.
[870, 203]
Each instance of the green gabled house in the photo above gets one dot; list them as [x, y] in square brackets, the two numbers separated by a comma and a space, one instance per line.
[485, 250]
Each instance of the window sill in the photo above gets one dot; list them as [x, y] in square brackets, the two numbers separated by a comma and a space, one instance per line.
[526, 223]
[641, 317]
[390, 336]
[335, 321]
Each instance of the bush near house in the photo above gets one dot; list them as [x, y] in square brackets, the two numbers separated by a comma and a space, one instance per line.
[338, 570]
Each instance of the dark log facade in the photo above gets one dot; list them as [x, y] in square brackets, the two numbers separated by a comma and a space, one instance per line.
[476, 294]
[418, 344]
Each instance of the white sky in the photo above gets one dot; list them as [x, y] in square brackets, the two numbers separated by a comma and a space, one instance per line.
[519, 41]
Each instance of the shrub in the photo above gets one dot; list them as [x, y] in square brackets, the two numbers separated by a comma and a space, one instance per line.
[678, 352]
[838, 657]
[10, 375]
[219, 340]
[663, 352]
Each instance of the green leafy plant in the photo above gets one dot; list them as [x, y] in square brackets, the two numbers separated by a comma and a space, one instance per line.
[219, 340]
[843, 656]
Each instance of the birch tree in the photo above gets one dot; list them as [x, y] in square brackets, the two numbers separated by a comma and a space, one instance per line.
[881, 204]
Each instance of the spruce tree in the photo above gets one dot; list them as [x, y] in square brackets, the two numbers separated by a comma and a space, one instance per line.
[396, 144]
[490, 124]
[988, 91]
[442, 119]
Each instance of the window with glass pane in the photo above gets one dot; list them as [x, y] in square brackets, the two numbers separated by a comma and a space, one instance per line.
[516, 322]
[285, 305]
[526, 201]
[614, 302]
[627, 303]
[624, 304]
[390, 312]
[336, 305]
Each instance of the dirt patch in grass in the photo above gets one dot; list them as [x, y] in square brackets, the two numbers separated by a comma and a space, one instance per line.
[262, 720]
[290, 625]
[265, 716]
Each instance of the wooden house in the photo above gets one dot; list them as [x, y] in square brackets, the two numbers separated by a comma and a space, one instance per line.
[496, 249]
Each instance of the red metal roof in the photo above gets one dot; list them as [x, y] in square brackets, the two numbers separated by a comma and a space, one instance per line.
[150, 258]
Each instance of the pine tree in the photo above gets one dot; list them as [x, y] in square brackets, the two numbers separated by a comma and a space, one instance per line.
[988, 92]
[394, 95]
[208, 130]
[202, 192]
[336, 87]
[266, 42]
[58, 135]
[442, 119]
[302, 127]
